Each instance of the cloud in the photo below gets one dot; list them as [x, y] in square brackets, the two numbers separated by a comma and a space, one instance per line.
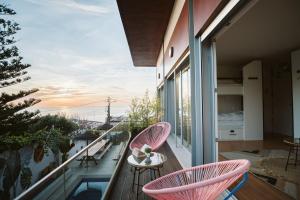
[71, 4]
[61, 60]
[77, 58]
[78, 96]
[63, 96]
[51, 92]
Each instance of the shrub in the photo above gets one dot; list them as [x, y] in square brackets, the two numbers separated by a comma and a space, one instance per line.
[143, 112]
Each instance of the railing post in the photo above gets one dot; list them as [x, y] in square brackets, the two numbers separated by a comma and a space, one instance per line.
[64, 171]
[87, 158]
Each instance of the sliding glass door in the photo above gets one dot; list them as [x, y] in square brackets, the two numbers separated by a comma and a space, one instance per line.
[186, 108]
[161, 113]
[178, 106]
[183, 107]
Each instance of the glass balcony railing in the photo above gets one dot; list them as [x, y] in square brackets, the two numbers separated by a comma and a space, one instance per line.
[87, 174]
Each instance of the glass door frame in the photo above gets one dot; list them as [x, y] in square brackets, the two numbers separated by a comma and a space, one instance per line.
[177, 75]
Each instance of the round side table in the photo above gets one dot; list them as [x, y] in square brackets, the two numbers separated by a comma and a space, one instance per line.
[140, 166]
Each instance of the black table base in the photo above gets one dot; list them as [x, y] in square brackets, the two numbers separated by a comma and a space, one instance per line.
[154, 174]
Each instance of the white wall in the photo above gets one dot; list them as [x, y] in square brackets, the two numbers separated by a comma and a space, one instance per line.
[296, 91]
[253, 101]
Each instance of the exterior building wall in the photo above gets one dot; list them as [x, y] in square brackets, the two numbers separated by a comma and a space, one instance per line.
[178, 6]
[159, 75]
[176, 36]
[205, 11]
[179, 40]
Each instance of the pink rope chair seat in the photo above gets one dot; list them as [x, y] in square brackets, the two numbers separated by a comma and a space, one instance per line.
[205, 182]
[153, 136]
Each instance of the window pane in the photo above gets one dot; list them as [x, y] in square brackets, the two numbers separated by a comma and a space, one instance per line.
[161, 101]
[178, 105]
[186, 108]
[170, 106]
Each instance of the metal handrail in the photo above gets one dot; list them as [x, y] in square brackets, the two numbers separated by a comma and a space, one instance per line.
[113, 177]
[34, 186]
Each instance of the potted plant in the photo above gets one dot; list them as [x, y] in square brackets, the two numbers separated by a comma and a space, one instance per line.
[148, 151]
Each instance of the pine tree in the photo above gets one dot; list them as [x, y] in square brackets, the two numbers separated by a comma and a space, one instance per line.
[14, 120]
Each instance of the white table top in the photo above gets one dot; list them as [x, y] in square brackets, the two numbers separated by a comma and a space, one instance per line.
[157, 159]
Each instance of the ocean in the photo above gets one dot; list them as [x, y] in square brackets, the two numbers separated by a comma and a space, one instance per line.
[91, 113]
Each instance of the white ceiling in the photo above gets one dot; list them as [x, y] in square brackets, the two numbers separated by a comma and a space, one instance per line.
[270, 28]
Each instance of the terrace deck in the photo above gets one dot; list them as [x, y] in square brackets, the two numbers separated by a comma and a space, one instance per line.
[122, 187]
[253, 189]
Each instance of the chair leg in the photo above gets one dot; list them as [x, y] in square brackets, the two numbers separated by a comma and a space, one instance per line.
[239, 185]
[138, 184]
[133, 181]
[288, 159]
[156, 173]
[152, 174]
[158, 170]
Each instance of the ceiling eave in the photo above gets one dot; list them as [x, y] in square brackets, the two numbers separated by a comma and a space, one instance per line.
[145, 24]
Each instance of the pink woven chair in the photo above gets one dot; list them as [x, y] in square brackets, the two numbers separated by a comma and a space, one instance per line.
[205, 182]
[153, 136]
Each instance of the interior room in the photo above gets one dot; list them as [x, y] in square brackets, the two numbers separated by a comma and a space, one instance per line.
[258, 67]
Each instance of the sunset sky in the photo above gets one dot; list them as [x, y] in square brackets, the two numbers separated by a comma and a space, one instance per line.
[78, 52]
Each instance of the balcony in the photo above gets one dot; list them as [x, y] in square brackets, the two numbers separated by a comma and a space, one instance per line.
[101, 171]
[122, 188]
[89, 173]
[98, 171]
[104, 174]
